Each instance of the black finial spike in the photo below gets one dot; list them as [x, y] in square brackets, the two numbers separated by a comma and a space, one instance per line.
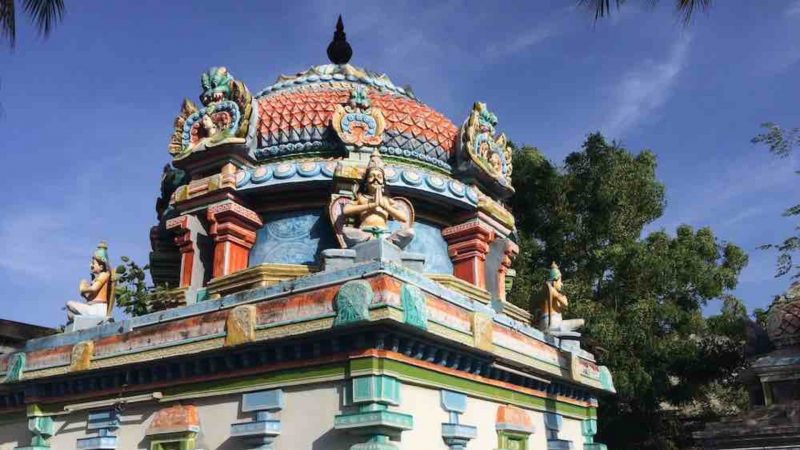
[339, 50]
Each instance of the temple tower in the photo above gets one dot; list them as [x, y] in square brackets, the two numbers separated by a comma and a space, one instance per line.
[339, 254]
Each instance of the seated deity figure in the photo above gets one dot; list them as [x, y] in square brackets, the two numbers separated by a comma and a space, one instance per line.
[550, 302]
[96, 292]
[373, 208]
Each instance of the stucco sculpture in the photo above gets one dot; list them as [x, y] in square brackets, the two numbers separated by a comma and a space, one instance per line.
[224, 118]
[98, 292]
[549, 304]
[373, 208]
[487, 151]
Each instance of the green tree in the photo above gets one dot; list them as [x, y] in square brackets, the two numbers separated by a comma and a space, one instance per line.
[44, 14]
[641, 296]
[781, 142]
[686, 8]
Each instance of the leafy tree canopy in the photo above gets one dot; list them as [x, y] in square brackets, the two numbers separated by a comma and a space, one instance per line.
[641, 296]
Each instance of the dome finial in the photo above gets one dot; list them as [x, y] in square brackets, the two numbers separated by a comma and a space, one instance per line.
[339, 50]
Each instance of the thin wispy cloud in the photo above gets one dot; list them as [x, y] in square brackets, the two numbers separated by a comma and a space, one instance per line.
[732, 195]
[793, 10]
[645, 89]
[521, 42]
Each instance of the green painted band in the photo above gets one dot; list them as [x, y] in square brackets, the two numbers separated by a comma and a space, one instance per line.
[426, 377]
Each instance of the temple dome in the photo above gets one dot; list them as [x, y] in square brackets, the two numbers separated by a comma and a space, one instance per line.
[783, 321]
[294, 115]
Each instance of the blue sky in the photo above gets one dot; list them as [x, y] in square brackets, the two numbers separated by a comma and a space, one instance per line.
[88, 113]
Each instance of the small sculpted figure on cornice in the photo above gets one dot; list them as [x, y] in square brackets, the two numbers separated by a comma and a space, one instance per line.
[549, 304]
[98, 291]
[223, 119]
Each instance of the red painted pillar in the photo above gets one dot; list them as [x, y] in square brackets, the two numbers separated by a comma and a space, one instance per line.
[183, 239]
[468, 244]
[233, 228]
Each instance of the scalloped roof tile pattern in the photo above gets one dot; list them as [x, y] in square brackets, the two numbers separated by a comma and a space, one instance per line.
[296, 110]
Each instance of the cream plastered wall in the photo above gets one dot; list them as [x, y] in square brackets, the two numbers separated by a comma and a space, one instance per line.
[424, 404]
[428, 414]
[572, 432]
[307, 422]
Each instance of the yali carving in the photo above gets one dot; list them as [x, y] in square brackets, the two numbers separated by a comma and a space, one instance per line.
[489, 152]
[224, 118]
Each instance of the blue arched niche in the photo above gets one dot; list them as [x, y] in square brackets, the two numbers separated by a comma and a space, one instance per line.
[296, 237]
[428, 240]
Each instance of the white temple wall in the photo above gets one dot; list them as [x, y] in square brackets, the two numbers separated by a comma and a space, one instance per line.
[571, 431]
[424, 405]
[307, 421]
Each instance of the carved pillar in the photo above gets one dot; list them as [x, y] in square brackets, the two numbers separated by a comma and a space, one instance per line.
[510, 251]
[42, 428]
[553, 423]
[260, 433]
[468, 245]
[455, 434]
[233, 228]
[373, 394]
[183, 239]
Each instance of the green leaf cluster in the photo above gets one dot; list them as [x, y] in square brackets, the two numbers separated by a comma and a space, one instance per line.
[133, 294]
[641, 296]
[781, 142]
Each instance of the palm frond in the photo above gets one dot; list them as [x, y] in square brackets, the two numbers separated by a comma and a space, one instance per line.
[45, 14]
[601, 8]
[8, 28]
[687, 8]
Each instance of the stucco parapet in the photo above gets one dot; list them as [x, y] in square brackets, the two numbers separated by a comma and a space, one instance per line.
[514, 330]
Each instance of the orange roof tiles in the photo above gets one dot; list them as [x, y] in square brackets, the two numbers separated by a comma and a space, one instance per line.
[300, 109]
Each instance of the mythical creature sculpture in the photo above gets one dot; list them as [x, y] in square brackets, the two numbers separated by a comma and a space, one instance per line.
[217, 85]
[550, 302]
[98, 292]
[224, 119]
[490, 153]
[373, 208]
